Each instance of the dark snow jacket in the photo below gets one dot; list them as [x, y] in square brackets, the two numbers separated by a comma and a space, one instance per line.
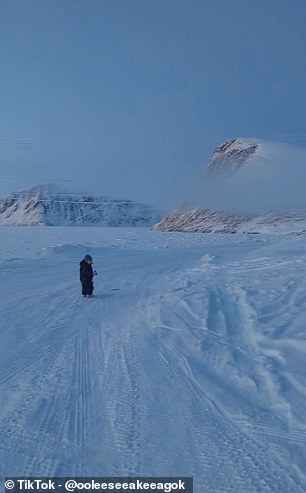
[86, 271]
[86, 275]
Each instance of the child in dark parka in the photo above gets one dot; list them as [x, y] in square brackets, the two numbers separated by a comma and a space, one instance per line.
[86, 276]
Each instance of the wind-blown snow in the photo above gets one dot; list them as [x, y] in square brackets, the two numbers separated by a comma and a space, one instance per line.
[270, 178]
[249, 186]
[190, 360]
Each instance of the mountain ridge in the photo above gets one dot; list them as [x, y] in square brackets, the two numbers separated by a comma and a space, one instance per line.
[231, 155]
[249, 186]
[49, 205]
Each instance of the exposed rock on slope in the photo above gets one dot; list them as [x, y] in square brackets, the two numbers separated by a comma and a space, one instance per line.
[48, 205]
[257, 161]
[230, 156]
[208, 221]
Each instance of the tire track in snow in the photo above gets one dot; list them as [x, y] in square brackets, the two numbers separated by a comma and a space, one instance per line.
[210, 450]
[44, 400]
[294, 435]
[124, 410]
[34, 426]
[76, 397]
[80, 393]
[133, 456]
[51, 414]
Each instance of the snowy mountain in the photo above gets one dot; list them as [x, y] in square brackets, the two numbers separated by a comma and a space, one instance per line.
[231, 156]
[188, 219]
[249, 186]
[50, 206]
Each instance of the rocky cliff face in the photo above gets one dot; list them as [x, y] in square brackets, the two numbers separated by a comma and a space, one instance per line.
[207, 221]
[230, 156]
[48, 205]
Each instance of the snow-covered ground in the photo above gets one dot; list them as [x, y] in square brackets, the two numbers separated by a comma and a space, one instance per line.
[189, 361]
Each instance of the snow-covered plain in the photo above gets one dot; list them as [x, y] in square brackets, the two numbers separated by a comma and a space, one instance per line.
[190, 360]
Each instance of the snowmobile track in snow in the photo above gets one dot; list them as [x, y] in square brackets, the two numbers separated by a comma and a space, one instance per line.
[191, 365]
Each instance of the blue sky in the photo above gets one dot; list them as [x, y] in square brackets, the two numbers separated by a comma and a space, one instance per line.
[128, 98]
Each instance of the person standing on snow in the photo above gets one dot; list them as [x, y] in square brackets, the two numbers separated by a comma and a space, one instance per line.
[86, 276]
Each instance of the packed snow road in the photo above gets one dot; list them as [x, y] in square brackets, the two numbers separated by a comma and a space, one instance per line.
[189, 361]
